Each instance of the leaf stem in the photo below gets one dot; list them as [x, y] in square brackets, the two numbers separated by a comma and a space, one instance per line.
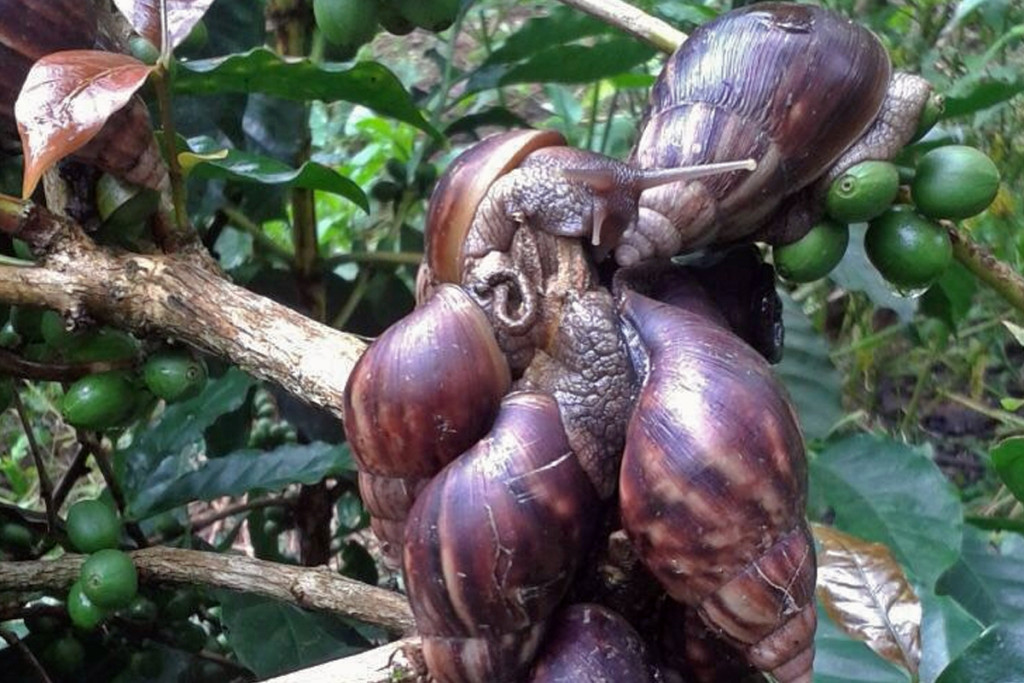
[401, 258]
[15, 642]
[998, 275]
[161, 85]
[246, 224]
[633, 21]
[99, 456]
[45, 484]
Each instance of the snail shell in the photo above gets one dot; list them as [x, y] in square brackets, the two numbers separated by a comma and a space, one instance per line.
[791, 86]
[492, 544]
[589, 642]
[713, 486]
[425, 391]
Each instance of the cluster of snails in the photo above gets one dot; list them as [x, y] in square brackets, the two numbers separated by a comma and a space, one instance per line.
[561, 377]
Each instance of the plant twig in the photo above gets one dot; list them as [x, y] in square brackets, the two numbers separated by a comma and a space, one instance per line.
[246, 225]
[181, 299]
[395, 662]
[14, 641]
[633, 21]
[200, 522]
[15, 366]
[45, 484]
[401, 258]
[311, 588]
[161, 85]
[998, 415]
[99, 455]
[1006, 282]
[72, 474]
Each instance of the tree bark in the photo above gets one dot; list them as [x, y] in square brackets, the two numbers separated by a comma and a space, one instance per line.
[312, 588]
[179, 297]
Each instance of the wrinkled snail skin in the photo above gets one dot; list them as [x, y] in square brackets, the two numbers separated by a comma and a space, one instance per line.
[493, 542]
[589, 642]
[713, 486]
[425, 391]
[586, 369]
[735, 290]
[793, 87]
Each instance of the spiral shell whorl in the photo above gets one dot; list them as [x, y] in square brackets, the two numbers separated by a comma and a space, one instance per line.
[423, 393]
[493, 542]
[589, 642]
[713, 483]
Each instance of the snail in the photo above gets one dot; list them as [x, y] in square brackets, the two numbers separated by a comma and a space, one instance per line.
[714, 484]
[424, 392]
[632, 358]
[493, 541]
[589, 642]
[801, 90]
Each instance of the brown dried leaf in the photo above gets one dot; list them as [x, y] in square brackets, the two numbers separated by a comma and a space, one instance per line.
[145, 18]
[865, 592]
[66, 99]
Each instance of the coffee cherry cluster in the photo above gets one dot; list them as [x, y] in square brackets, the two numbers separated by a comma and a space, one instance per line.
[108, 580]
[904, 240]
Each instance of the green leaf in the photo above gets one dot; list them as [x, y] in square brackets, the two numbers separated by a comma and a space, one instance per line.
[273, 638]
[996, 523]
[884, 491]
[964, 8]
[1016, 330]
[1008, 459]
[1011, 404]
[218, 163]
[562, 25]
[235, 474]
[995, 657]
[982, 89]
[181, 425]
[840, 659]
[987, 580]
[260, 70]
[808, 373]
[946, 630]
[950, 298]
[855, 273]
[565, 64]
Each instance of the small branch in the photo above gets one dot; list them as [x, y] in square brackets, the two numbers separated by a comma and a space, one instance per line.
[15, 366]
[395, 662]
[183, 231]
[200, 522]
[246, 225]
[73, 473]
[401, 258]
[998, 275]
[311, 588]
[99, 455]
[14, 641]
[177, 297]
[633, 21]
[45, 484]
